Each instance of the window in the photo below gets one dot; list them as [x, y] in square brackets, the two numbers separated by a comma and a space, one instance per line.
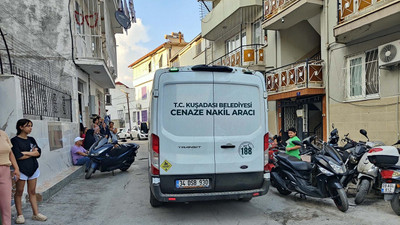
[363, 75]
[234, 43]
[108, 99]
[120, 114]
[144, 93]
[79, 19]
[149, 66]
[257, 38]
[160, 62]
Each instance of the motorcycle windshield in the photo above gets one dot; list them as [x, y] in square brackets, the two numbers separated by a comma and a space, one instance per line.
[333, 153]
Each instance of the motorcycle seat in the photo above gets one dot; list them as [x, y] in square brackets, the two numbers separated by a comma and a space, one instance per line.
[121, 149]
[294, 162]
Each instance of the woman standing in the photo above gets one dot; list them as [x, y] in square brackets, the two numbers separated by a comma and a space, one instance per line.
[6, 160]
[26, 152]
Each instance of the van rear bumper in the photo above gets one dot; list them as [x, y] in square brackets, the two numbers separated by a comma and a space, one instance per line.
[208, 196]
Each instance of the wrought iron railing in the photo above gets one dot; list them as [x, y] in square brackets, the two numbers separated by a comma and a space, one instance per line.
[302, 74]
[42, 98]
[242, 56]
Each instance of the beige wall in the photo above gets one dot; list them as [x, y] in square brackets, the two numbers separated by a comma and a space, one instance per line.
[381, 121]
[272, 118]
[290, 39]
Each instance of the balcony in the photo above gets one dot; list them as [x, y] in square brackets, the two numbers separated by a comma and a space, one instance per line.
[250, 56]
[282, 14]
[297, 79]
[358, 19]
[226, 18]
[93, 43]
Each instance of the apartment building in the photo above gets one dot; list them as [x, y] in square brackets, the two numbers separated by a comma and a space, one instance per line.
[144, 69]
[326, 63]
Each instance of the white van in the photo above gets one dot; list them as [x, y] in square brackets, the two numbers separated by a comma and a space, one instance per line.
[208, 128]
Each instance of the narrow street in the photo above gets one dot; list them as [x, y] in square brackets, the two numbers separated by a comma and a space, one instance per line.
[124, 199]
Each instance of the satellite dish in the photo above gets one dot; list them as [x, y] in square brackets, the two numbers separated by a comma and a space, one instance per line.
[122, 19]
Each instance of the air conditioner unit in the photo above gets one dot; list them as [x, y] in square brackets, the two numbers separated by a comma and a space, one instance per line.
[389, 53]
[139, 106]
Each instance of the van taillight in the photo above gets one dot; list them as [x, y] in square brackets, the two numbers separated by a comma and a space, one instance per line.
[155, 143]
[155, 165]
[266, 141]
[266, 145]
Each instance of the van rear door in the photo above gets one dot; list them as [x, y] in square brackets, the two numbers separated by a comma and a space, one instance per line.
[185, 131]
[239, 128]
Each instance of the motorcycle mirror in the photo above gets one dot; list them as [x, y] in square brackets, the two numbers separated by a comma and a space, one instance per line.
[296, 142]
[397, 143]
[364, 132]
[334, 132]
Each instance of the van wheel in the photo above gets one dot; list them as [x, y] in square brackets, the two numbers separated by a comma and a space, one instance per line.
[247, 199]
[153, 201]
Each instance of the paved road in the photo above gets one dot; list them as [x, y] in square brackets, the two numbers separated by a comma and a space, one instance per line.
[124, 199]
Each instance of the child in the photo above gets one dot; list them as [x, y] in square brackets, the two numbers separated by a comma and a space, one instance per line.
[292, 149]
[26, 152]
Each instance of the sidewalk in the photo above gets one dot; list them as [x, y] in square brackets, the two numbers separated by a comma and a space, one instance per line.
[51, 187]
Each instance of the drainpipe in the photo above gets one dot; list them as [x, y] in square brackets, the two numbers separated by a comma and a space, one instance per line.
[327, 101]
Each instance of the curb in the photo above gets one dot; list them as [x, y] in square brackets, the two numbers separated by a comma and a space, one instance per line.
[47, 190]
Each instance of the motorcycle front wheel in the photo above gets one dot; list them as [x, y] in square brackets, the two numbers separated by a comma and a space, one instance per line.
[362, 191]
[89, 173]
[395, 203]
[340, 199]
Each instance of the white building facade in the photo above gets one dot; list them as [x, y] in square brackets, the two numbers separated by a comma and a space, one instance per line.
[57, 59]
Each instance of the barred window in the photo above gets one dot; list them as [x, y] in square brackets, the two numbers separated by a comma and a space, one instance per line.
[363, 75]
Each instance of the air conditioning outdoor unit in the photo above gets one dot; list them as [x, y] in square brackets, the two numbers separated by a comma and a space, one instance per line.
[139, 106]
[389, 53]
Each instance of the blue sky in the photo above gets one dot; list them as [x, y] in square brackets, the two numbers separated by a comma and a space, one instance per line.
[155, 18]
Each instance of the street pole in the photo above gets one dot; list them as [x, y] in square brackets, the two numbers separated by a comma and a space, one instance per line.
[129, 111]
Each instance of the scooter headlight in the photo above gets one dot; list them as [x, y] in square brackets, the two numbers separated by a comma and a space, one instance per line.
[337, 168]
[325, 171]
[353, 159]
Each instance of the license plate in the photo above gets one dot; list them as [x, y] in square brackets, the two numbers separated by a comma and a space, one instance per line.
[388, 188]
[193, 183]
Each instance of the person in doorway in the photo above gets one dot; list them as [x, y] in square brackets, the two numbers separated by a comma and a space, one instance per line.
[6, 160]
[26, 151]
[79, 154]
[292, 149]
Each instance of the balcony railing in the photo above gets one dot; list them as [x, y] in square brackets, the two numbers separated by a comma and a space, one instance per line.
[272, 7]
[348, 9]
[299, 75]
[243, 56]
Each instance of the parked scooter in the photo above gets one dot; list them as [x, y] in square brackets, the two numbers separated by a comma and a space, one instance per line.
[106, 156]
[387, 159]
[368, 173]
[320, 178]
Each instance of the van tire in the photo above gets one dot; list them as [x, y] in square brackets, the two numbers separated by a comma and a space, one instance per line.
[153, 201]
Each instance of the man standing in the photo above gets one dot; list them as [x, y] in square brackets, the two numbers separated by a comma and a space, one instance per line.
[79, 154]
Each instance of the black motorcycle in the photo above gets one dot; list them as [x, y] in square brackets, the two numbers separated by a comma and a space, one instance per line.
[107, 156]
[320, 178]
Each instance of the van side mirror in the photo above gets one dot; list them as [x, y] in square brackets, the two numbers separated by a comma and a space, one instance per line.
[364, 132]
[296, 142]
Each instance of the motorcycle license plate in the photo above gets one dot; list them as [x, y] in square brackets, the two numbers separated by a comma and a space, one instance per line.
[192, 183]
[388, 188]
